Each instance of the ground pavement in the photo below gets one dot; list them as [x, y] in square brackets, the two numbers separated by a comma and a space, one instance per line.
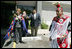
[39, 41]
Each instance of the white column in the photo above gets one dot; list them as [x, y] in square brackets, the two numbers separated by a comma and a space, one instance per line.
[39, 9]
[39, 6]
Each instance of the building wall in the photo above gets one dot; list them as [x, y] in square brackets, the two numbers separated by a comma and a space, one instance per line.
[26, 3]
[45, 8]
[48, 10]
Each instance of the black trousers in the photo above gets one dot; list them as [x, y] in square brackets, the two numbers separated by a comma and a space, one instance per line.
[18, 34]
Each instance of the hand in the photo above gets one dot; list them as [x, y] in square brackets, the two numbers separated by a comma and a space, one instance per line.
[16, 18]
[15, 15]
[23, 15]
[27, 17]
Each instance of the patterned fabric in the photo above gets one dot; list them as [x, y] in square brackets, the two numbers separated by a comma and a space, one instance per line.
[57, 4]
[59, 29]
[10, 30]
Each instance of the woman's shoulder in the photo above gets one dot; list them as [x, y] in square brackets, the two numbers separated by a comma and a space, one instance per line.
[66, 16]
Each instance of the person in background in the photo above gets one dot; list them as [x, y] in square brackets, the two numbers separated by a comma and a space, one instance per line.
[35, 22]
[26, 21]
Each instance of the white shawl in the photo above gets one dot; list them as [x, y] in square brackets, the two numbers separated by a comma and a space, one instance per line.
[58, 30]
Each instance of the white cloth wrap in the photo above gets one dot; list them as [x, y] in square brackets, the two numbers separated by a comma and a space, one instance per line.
[58, 28]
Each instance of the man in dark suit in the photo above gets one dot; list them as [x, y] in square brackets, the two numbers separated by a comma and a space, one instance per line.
[35, 22]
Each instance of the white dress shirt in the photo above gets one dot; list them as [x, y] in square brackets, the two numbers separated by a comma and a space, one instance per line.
[35, 16]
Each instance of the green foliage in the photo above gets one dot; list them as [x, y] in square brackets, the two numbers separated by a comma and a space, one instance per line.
[29, 27]
[44, 26]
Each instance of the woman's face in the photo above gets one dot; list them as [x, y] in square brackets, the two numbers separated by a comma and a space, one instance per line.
[18, 11]
[59, 13]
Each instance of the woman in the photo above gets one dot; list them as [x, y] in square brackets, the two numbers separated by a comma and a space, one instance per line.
[26, 21]
[58, 31]
[16, 27]
[25, 17]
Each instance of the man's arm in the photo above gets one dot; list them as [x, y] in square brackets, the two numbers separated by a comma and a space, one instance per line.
[28, 17]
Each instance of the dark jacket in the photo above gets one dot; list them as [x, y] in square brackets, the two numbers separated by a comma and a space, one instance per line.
[35, 22]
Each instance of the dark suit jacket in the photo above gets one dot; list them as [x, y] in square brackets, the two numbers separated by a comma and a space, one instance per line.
[35, 22]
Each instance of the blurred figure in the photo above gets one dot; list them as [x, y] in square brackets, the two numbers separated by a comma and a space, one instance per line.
[26, 21]
[18, 31]
[58, 29]
[35, 22]
[16, 27]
